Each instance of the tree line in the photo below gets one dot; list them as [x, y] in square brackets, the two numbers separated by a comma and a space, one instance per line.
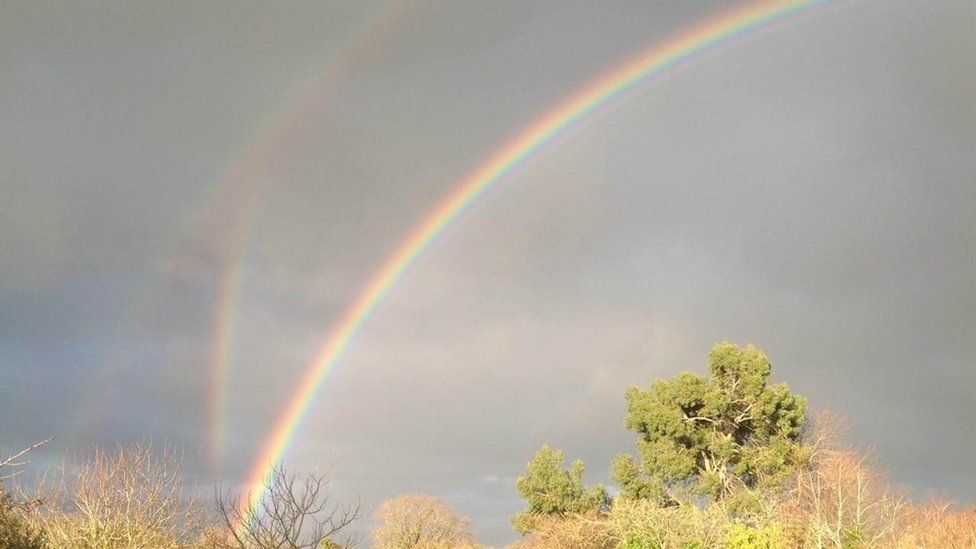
[730, 460]
[724, 460]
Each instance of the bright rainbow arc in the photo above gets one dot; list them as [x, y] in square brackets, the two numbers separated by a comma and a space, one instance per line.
[529, 141]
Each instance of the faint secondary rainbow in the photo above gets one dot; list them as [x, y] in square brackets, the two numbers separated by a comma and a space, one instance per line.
[514, 152]
[217, 225]
[225, 313]
[243, 181]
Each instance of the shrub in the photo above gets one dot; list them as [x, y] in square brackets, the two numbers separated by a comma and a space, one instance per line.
[641, 524]
[574, 531]
[937, 524]
[766, 536]
[15, 532]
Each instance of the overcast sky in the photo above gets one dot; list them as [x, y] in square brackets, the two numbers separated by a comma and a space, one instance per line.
[810, 189]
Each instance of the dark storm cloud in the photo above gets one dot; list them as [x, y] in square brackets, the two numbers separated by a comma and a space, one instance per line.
[809, 190]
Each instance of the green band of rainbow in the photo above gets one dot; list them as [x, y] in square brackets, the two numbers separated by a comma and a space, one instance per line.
[526, 143]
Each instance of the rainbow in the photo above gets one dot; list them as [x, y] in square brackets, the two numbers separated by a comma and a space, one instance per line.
[222, 215]
[226, 303]
[503, 161]
[247, 175]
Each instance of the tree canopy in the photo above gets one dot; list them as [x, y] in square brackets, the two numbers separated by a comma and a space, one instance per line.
[711, 436]
[549, 489]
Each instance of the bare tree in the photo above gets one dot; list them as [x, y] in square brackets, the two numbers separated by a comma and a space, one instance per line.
[420, 521]
[843, 498]
[128, 497]
[15, 463]
[293, 513]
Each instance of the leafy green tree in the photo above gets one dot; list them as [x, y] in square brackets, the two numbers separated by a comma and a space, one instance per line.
[551, 490]
[712, 436]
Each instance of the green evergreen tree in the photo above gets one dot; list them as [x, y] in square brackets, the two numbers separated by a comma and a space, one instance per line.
[551, 490]
[712, 436]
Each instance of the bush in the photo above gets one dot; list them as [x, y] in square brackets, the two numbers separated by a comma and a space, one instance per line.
[643, 524]
[575, 531]
[937, 524]
[646, 525]
[15, 532]
[767, 536]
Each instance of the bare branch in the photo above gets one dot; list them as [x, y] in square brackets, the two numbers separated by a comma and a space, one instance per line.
[11, 460]
[293, 513]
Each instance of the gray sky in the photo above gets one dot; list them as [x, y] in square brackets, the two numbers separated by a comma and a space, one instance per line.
[810, 189]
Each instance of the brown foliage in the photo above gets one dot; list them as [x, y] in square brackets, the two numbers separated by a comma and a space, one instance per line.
[129, 497]
[420, 521]
[633, 523]
[938, 524]
[845, 500]
[577, 531]
[842, 499]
